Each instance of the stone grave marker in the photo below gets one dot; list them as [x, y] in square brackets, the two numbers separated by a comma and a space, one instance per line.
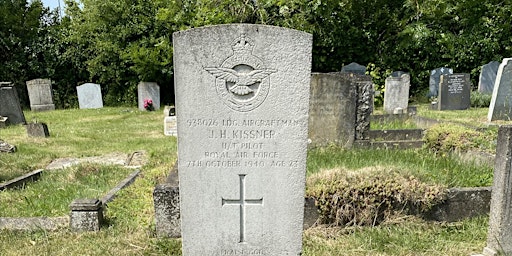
[10, 104]
[501, 105]
[487, 77]
[170, 123]
[354, 68]
[89, 96]
[396, 95]
[242, 96]
[37, 130]
[500, 219]
[40, 94]
[454, 92]
[435, 77]
[148, 90]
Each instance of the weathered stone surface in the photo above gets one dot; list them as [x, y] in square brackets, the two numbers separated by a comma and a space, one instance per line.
[148, 90]
[242, 98]
[34, 223]
[354, 68]
[166, 199]
[6, 147]
[40, 94]
[10, 104]
[89, 96]
[397, 93]
[462, 203]
[500, 219]
[487, 77]
[86, 215]
[501, 105]
[37, 130]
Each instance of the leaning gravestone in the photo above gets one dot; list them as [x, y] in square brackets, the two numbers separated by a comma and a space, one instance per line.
[396, 95]
[40, 94]
[435, 77]
[487, 77]
[454, 92]
[501, 105]
[89, 96]
[499, 235]
[354, 68]
[148, 91]
[242, 95]
[10, 104]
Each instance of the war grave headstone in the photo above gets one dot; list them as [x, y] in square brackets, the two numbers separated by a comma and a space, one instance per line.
[500, 218]
[89, 96]
[501, 105]
[242, 97]
[10, 104]
[454, 92]
[487, 77]
[435, 77]
[148, 91]
[354, 68]
[396, 96]
[40, 94]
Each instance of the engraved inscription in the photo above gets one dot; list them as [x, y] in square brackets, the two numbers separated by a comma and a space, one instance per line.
[242, 81]
[242, 202]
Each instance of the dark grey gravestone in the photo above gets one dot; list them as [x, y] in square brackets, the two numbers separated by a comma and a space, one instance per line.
[354, 68]
[454, 92]
[435, 77]
[146, 91]
[10, 104]
[501, 103]
[499, 236]
[398, 73]
[89, 96]
[333, 102]
[40, 94]
[488, 77]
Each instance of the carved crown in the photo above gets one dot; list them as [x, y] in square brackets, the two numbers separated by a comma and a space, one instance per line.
[242, 45]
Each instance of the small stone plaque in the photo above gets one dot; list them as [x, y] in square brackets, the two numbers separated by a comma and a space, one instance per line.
[242, 97]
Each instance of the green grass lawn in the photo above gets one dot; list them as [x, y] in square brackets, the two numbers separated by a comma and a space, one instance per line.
[130, 224]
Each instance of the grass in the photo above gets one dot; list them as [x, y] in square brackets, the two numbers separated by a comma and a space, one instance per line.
[473, 117]
[129, 229]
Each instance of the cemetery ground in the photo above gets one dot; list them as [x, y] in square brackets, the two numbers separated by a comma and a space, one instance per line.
[129, 227]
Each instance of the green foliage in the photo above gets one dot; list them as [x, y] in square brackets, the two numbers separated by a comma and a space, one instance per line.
[480, 100]
[369, 196]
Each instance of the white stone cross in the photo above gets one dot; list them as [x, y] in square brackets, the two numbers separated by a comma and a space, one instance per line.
[242, 202]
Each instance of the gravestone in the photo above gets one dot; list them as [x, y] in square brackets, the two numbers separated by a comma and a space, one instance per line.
[500, 219]
[242, 96]
[487, 77]
[501, 105]
[396, 95]
[40, 94]
[454, 92]
[10, 104]
[435, 77]
[337, 108]
[89, 96]
[148, 91]
[354, 68]
[37, 130]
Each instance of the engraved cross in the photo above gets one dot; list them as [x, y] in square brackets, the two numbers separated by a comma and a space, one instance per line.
[242, 202]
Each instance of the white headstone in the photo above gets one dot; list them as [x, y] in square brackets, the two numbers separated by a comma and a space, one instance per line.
[89, 96]
[148, 91]
[242, 96]
[397, 93]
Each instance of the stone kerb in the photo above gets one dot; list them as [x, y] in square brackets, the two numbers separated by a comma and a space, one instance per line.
[242, 100]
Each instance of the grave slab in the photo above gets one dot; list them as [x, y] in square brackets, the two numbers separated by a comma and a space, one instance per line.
[40, 94]
[89, 96]
[242, 100]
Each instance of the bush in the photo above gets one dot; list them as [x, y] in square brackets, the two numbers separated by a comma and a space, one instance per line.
[447, 138]
[369, 196]
[480, 100]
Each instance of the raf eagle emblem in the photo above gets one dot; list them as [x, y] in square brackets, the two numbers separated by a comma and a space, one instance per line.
[242, 80]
